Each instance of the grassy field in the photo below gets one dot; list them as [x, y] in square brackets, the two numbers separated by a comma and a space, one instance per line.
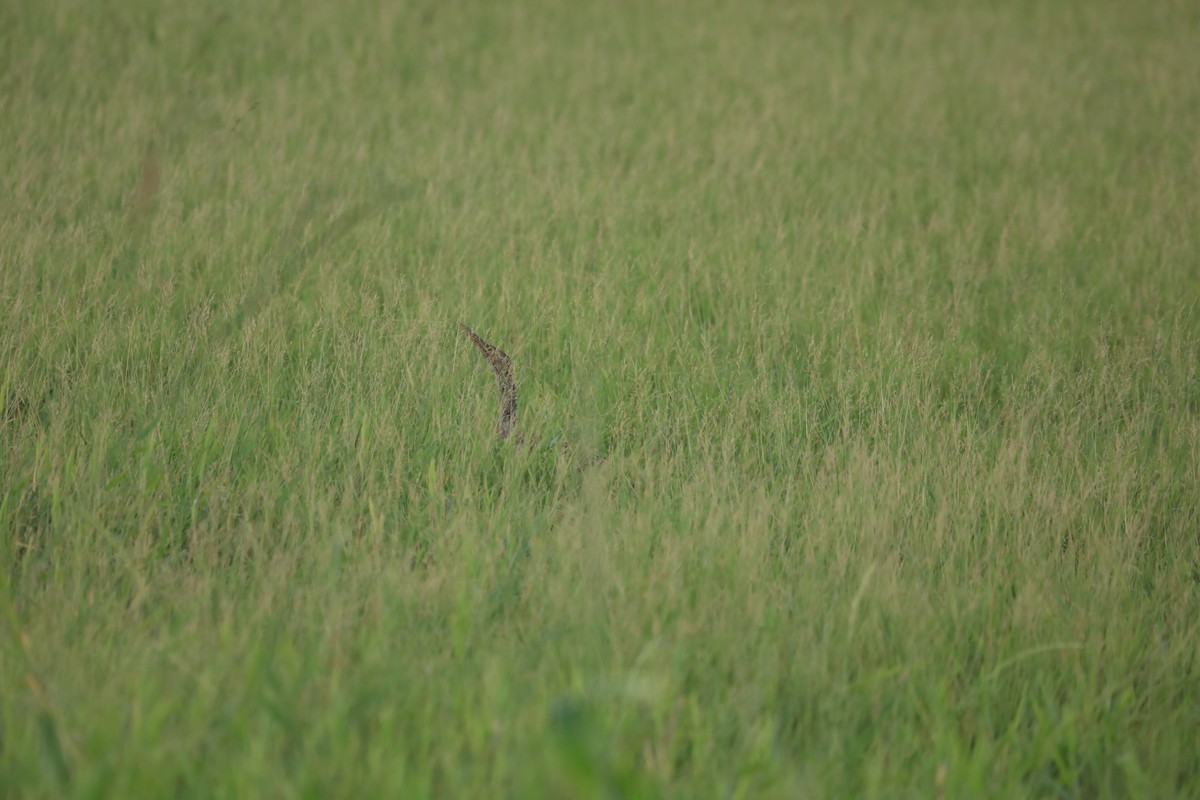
[858, 348]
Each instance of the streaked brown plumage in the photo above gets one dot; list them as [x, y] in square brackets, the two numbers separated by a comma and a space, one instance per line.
[501, 365]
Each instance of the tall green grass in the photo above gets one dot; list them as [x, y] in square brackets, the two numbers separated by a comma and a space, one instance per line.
[858, 352]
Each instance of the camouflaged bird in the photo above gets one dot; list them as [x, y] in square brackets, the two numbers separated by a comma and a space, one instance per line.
[501, 364]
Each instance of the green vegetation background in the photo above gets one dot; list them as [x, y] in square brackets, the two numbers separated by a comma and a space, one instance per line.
[858, 348]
